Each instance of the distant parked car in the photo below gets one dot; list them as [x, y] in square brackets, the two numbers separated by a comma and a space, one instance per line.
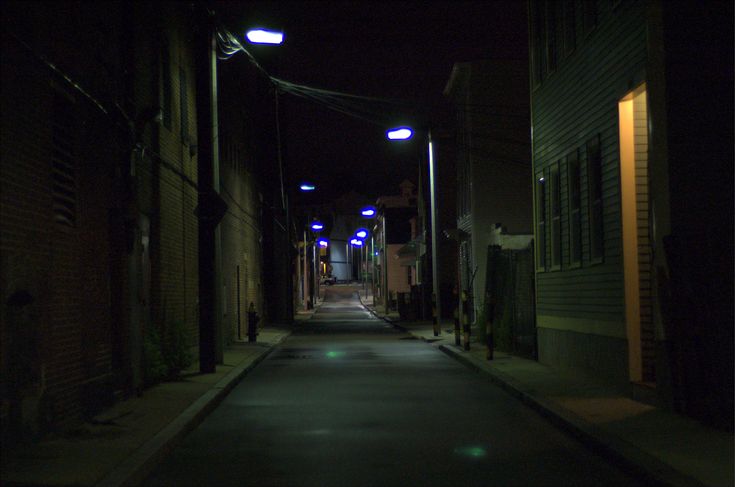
[328, 280]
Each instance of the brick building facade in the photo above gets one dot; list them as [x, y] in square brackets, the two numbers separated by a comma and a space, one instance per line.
[98, 234]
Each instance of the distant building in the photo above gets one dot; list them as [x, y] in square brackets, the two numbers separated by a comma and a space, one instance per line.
[347, 220]
[493, 164]
[392, 230]
[633, 170]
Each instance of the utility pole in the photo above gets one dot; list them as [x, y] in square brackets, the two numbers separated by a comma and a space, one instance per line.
[210, 208]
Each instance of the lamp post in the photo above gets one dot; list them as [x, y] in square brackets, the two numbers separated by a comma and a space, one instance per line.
[405, 133]
[370, 212]
[316, 227]
[361, 235]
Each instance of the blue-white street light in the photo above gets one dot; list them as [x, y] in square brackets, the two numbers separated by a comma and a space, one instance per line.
[361, 233]
[323, 242]
[400, 133]
[356, 242]
[307, 187]
[317, 225]
[262, 36]
[404, 133]
[368, 211]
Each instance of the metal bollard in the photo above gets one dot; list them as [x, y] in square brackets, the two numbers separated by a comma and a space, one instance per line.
[434, 319]
[465, 320]
[489, 338]
[456, 326]
[252, 323]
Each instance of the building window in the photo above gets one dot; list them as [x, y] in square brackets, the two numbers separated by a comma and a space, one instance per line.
[166, 83]
[555, 217]
[538, 51]
[570, 27]
[575, 209]
[463, 167]
[64, 159]
[589, 15]
[183, 101]
[594, 182]
[541, 221]
[551, 38]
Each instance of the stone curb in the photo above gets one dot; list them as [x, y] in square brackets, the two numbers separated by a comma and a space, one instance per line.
[625, 455]
[134, 469]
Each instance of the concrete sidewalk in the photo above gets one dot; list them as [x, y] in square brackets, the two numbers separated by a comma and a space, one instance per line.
[122, 445]
[664, 447]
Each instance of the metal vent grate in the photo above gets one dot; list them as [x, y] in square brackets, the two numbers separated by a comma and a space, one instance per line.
[64, 183]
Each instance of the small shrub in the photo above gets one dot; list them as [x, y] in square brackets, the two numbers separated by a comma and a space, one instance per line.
[176, 353]
[154, 367]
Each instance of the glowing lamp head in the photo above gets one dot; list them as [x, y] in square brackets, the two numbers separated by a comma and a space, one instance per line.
[307, 187]
[356, 242]
[323, 242]
[361, 233]
[262, 36]
[368, 211]
[316, 226]
[400, 133]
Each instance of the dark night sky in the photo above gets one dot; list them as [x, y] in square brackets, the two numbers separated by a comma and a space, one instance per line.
[397, 50]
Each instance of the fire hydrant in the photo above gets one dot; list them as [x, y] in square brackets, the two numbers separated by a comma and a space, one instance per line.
[252, 323]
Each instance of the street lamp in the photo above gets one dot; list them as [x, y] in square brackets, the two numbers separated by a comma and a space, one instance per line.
[404, 133]
[317, 226]
[263, 36]
[368, 212]
[361, 233]
[399, 133]
[306, 187]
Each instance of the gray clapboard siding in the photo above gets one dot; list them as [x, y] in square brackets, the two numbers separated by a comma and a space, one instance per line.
[575, 103]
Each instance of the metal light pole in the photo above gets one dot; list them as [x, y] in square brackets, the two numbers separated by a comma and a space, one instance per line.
[304, 284]
[210, 205]
[434, 228]
[405, 133]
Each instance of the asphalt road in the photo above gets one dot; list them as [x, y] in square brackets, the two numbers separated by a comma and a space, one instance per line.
[349, 401]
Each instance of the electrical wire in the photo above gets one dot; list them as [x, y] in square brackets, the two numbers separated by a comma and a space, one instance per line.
[357, 106]
[74, 84]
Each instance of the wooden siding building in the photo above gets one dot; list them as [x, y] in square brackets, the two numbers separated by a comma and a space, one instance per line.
[616, 140]
[493, 163]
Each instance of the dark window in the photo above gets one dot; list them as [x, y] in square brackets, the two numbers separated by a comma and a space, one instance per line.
[541, 221]
[463, 166]
[183, 101]
[551, 40]
[166, 83]
[589, 15]
[63, 159]
[570, 27]
[575, 209]
[594, 182]
[555, 217]
[539, 41]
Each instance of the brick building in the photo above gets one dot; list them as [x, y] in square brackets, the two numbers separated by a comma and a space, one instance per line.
[98, 175]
